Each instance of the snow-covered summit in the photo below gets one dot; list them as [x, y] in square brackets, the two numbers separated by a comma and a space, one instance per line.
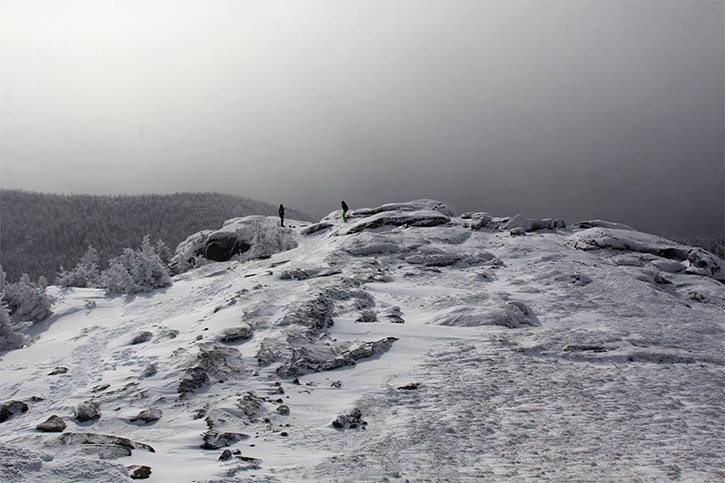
[408, 343]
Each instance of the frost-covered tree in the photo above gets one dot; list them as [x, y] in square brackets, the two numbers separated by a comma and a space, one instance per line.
[117, 277]
[10, 337]
[85, 274]
[163, 251]
[28, 300]
[136, 271]
[149, 271]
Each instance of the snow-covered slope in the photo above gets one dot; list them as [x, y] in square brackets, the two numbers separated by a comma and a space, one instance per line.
[443, 348]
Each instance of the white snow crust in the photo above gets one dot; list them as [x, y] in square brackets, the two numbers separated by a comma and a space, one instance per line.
[561, 354]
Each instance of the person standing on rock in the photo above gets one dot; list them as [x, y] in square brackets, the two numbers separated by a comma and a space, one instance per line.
[344, 211]
[281, 214]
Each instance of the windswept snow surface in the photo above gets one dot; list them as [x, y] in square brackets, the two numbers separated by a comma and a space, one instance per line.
[458, 354]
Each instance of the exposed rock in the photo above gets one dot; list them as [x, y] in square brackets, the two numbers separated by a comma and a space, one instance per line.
[512, 315]
[139, 472]
[100, 388]
[283, 409]
[315, 314]
[367, 316]
[316, 227]
[397, 218]
[87, 411]
[11, 408]
[219, 361]
[583, 348]
[351, 420]
[102, 439]
[215, 440]
[394, 315]
[105, 451]
[252, 406]
[226, 455]
[480, 221]
[148, 415]
[235, 334]
[250, 236]
[141, 337]
[305, 360]
[150, 370]
[53, 424]
[434, 259]
[518, 231]
[194, 380]
[600, 224]
[410, 387]
[58, 370]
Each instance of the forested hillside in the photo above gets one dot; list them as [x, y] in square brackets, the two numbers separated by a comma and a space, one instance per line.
[41, 231]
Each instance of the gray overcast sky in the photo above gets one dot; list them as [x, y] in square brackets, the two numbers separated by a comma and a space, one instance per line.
[578, 110]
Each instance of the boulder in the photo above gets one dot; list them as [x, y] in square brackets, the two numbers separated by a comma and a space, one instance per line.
[53, 424]
[351, 420]
[137, 472]
[58, 370]
[219, 361]
[150, 370]
[141, 337]
[315, 314]
[367, 315]
[148, 415]
[194, 380]
[216, 440]
[236, 334]
[72, 438]
[87, 411]
[11, 408]
[512, 315]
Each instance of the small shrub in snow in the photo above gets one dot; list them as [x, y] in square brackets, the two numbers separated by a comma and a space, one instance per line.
[136, 271]
[28, 300]
[85, 274]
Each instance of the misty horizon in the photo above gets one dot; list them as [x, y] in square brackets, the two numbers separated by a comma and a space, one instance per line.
[593, 110]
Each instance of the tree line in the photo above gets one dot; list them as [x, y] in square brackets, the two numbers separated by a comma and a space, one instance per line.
[39, 232]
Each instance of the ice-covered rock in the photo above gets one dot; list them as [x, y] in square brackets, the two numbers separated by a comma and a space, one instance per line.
[216, 440]
[423, 218]
[698, 261]
[252, 236]
[520, 222]
[141, 337]
[416, 205]
[236, 334]
[512, 315]
[600, 224]
[219, 361]
[195, 379]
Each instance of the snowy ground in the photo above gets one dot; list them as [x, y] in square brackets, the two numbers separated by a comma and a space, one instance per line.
[617, 376]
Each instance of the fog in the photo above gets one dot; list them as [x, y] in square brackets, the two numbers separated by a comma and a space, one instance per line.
[579, 110]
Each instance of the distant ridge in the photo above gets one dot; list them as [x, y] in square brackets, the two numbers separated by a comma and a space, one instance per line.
[40, 231]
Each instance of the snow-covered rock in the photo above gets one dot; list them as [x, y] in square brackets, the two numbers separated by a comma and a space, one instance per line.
[247, 237]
